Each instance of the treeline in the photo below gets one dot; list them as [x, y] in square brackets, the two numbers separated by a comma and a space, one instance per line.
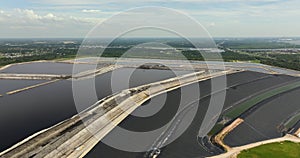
[257, 43]
[289, 61]
[57, 54]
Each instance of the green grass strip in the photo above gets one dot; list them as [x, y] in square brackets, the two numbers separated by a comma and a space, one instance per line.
[235, 112]
[284, 149]
[217, 128]
[292, 121]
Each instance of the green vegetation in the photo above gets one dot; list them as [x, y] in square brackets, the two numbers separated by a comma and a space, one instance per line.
[292, 121]
[257, 43]
[217, 128]
[285, 149]
[48, 56]
[182, 54]
[235, 50]
[289, 61]
[233, 113]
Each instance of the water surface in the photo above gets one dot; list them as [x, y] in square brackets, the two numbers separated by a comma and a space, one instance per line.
[28, 112]
[10, 85]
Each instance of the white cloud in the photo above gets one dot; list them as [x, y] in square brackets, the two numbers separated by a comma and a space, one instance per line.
[18, 22]
[82, 20]
[31, 23]
[26, 17]
[30, 16]
[51, 16]
[212, 24]
[67, 2]
[80, 2]
[91, 11]
[229, 15]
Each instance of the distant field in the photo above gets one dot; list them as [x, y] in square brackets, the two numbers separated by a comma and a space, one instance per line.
[274, 150]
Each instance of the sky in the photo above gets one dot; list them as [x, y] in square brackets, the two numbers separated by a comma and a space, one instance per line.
[221, 18]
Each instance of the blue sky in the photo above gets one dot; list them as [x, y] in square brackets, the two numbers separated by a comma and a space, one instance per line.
[222, 18]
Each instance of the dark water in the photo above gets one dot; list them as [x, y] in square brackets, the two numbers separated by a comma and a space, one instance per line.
[10, 85]
[187, 145]
[122, 79]
[296, 127]
[264, 122]
[23, 114]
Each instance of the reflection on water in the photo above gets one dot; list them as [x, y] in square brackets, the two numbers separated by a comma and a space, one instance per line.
[10, 85]
[187, 145]
[25, 113]
[40, 68]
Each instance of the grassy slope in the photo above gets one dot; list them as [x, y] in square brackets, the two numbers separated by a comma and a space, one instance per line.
[274, 150]
[233, 113]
